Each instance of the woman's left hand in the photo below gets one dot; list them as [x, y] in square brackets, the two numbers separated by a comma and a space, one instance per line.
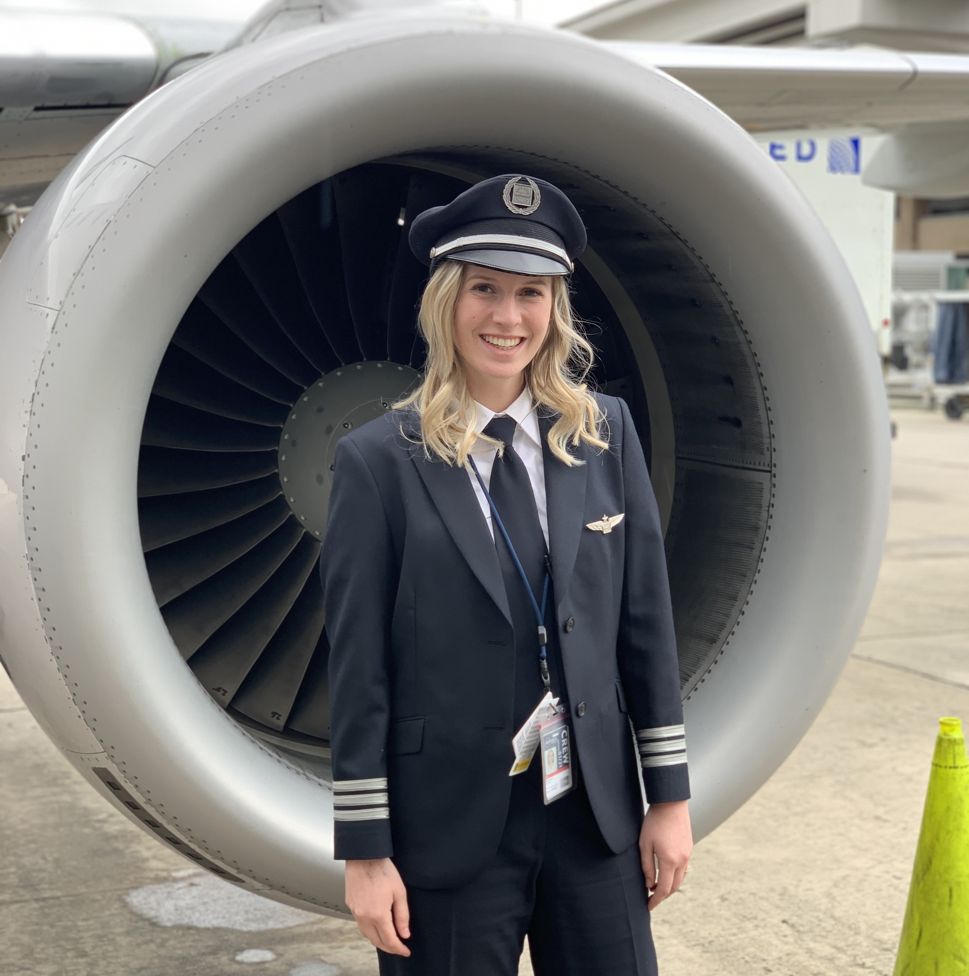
[666, 839]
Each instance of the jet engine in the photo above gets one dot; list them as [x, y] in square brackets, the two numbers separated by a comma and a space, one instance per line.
[219, 287]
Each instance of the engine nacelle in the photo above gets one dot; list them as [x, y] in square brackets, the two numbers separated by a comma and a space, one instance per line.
[196, 293]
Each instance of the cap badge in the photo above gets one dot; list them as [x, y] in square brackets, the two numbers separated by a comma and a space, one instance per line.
[521, 196]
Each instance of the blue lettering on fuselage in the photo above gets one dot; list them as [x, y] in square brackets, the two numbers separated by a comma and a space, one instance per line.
[844, 153]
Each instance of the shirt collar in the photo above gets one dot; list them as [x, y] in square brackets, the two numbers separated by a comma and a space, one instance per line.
[521, 411]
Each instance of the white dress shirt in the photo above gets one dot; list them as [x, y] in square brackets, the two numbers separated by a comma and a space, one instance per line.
[527, 443]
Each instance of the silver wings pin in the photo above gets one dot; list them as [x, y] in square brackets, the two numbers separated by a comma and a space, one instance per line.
[606, 524]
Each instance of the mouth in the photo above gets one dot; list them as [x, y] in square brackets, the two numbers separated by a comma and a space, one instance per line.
[503, 342]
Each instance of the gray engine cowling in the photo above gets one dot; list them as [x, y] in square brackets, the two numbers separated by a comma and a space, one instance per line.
[232, 252]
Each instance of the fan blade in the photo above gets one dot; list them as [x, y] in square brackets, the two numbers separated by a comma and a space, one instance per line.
[424, 190]
[176, 568]
[311, 710]
[223, 662]
[170, 424]
[268, 693]
[228, 293]
[195, 616]
[368, 204]
[309, 225]
[187, 380]
[169, 471]
[169, 518]
[206, 337]
[264, 255]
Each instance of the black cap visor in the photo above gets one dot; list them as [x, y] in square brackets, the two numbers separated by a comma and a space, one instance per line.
[517, 262]
[519, 246]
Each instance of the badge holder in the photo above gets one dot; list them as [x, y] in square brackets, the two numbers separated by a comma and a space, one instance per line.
[558, 778]
[548, 726]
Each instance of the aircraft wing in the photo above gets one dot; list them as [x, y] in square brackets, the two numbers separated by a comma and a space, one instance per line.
[786, 88]
[66, 75]
[63, 78]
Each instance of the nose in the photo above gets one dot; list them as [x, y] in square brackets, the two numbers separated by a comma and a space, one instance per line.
[506, 312]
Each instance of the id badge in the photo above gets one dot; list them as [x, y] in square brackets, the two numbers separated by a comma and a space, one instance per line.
[557, 774]
[526, 739]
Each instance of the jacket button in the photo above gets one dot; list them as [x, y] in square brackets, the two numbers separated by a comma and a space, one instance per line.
[580, 709]
[569, 624]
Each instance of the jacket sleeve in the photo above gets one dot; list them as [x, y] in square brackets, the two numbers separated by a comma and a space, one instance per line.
[359, 579]
[646, 649]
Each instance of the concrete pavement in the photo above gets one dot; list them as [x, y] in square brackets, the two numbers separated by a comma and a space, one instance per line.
[810, 877]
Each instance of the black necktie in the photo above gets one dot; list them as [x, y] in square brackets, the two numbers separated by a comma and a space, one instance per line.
[512, 494]
[511, 491]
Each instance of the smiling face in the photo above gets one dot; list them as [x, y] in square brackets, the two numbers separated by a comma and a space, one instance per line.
[500, 322]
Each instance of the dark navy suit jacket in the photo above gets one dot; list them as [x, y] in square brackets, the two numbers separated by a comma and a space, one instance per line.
[422, 651]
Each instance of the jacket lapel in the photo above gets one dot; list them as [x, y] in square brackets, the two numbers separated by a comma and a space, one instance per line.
[565, 487]
[450, 490]
[565, 495]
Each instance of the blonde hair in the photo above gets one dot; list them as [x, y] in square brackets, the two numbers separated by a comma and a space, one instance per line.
[556, 377]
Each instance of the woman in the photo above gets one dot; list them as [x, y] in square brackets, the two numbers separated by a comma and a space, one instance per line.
[494, 559]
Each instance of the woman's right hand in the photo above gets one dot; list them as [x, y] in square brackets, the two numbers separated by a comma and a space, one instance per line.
[376, 896]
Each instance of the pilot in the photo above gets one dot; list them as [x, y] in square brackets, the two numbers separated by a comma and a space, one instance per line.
[503, 670]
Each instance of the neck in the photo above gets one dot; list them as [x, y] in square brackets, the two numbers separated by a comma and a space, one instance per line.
[496, 393]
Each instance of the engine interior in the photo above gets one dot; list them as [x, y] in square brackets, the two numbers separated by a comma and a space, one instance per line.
[307, 328]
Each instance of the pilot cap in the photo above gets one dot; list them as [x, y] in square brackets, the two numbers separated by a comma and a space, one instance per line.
[509, 223]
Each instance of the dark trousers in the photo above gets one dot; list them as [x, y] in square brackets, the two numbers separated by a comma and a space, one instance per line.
[553, 879]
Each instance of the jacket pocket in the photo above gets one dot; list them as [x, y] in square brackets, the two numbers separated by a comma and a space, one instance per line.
[407, 735]
[621, 696]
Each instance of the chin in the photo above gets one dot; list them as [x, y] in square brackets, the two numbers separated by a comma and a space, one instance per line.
[511, 371]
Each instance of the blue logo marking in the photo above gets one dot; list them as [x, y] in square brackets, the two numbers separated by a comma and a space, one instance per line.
[844, 155]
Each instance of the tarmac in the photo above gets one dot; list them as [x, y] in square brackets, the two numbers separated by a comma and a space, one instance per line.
[809, 878]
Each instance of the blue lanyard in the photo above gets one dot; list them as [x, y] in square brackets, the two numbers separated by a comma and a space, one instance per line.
[539, 611]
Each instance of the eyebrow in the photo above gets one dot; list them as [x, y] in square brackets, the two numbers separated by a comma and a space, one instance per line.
[484, 276]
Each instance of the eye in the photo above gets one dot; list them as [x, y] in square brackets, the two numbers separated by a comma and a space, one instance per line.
[533, 292]
[483, 287]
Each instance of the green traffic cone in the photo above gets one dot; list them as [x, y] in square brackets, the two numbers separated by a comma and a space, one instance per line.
[935, 933]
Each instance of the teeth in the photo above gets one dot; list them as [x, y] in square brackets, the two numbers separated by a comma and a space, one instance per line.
[503, 343]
